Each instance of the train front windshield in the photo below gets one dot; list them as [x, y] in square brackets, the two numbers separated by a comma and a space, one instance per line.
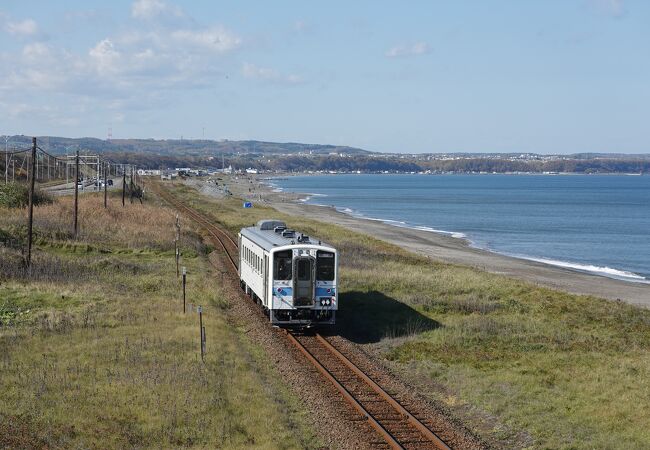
[325, 266]
[282, 265]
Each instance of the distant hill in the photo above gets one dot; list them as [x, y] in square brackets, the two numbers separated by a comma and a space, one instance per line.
[176, 147]
[292, 156]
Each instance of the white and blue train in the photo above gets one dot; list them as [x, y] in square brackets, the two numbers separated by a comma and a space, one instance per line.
[293, 277]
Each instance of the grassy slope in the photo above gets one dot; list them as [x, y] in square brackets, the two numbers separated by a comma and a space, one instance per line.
[95, 350]
[557, 370]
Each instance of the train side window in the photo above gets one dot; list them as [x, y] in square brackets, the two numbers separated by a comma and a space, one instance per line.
[325, 266]
[282, 265]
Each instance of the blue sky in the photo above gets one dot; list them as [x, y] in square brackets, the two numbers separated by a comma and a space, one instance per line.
[547, 76]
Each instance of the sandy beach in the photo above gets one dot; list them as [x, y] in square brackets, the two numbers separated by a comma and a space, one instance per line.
[447, 249]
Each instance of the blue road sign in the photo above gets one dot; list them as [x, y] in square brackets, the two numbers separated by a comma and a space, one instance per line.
[248, 205]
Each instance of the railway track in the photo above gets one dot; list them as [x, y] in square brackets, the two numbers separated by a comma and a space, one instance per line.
[393, 422]
[223, 238]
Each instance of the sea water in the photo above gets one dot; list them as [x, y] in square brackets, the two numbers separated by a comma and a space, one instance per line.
[592, 223]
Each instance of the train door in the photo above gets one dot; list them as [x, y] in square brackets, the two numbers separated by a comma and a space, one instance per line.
[266, 275]
[303, 282]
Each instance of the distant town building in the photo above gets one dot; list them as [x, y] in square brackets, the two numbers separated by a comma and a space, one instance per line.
[168, 175]
[150, 172]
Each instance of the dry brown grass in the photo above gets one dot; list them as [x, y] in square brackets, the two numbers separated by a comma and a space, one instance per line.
[95, 351]
[134, 226]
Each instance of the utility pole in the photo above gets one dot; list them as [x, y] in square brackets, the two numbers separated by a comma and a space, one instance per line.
[131, 185]
[30, 223]
[105, 184]
[123, 184]
[6, 159]
[76, 192]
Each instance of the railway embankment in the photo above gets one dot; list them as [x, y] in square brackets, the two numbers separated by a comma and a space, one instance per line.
[520, 364]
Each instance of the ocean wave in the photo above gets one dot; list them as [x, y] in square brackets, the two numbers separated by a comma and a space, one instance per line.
[605, 271]
[387, 221]
[454, 234]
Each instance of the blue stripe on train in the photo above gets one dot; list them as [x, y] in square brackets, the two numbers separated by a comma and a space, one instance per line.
[288, 292]
[322, 292]
[284, 292]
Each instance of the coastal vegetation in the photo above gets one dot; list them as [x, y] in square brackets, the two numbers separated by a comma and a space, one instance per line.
[95, 351]
[522, 365]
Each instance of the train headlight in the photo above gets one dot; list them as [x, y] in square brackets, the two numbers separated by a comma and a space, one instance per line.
[328, 302]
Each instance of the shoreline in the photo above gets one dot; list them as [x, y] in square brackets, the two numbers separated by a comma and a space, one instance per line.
[607, 272]
[445, 248]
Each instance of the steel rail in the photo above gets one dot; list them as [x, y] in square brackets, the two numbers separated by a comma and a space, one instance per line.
[346, 394]
[388, 437]
[383, 394]
[209, 227]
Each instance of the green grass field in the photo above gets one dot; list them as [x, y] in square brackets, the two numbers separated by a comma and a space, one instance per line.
[522, 365]
[95, 351]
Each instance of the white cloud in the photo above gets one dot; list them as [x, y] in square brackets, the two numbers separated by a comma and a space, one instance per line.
[105, 57]
[36, 51]
[254, 72]
[149, 9]
[27, 27]
[418, 48]
[133, 69]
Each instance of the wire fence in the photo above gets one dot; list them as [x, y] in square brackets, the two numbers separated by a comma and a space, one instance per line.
[53, 169]
[39, 166]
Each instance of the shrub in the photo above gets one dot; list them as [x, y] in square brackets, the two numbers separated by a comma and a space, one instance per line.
[14, 195]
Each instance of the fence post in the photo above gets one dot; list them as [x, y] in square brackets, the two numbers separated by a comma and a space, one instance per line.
[202, 333]
[123, 184]
[184, 285]
[30, 224]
